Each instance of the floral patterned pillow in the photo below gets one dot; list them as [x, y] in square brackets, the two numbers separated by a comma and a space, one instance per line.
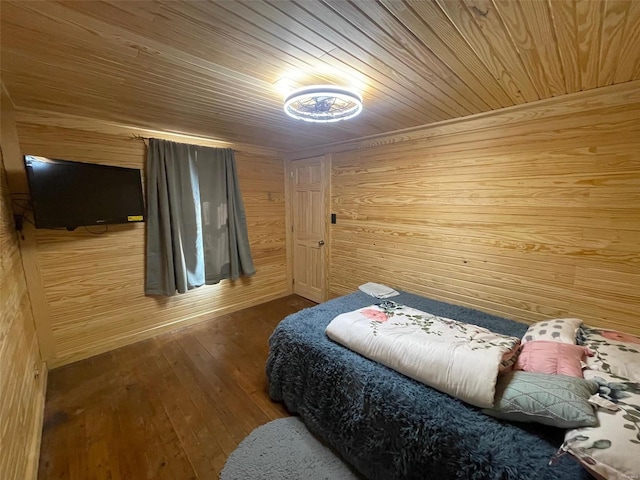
[561, 330]
[614, 352]
[611, 449]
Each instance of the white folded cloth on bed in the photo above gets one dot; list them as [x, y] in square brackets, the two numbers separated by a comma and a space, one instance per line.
[378, 290]
[457, 358]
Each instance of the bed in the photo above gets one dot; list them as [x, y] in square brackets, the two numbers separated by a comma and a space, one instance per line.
[388, 426]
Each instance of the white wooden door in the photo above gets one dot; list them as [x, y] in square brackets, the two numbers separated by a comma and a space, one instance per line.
[309, 222]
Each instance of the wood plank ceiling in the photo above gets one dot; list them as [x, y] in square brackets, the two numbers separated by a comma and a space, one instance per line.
[220, 68]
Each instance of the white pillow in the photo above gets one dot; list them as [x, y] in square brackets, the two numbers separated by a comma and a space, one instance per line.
[610, 449]
[615, 352]
[561, 330]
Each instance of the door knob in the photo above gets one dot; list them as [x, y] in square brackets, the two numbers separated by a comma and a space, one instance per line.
[320, 243]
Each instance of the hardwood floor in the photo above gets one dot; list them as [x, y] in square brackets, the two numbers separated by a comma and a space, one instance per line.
[172, 407]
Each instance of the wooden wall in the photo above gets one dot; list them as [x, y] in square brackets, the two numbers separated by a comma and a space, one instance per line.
[528, 213]
[94, 283]
[22, 374]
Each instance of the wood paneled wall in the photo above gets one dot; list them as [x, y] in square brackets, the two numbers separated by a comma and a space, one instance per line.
[22, 374]
[94, 282]
[529, 214]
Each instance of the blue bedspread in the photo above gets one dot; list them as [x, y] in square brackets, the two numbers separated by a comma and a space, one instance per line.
[389, 426]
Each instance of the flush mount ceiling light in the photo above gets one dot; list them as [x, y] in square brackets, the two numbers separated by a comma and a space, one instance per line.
[323, 103]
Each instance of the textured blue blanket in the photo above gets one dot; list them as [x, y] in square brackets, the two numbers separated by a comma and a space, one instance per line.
[389, 426]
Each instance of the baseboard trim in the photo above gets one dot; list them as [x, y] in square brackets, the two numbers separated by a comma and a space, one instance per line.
[36, 427]
[164, 328]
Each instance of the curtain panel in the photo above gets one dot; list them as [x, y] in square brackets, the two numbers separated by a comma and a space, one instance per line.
[196, 223]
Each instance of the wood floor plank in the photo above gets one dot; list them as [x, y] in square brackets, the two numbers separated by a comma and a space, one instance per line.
[177, 462]
[188, 419]
[172, 407]
[102, 458]
[134, 420]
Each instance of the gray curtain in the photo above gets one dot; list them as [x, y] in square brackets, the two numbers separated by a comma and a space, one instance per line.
[196, 225]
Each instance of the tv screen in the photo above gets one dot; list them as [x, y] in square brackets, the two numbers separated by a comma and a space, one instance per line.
[73, 194]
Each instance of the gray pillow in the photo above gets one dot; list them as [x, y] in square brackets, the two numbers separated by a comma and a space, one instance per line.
[555, 400]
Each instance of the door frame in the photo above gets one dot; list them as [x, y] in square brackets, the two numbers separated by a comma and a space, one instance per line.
[289, 163]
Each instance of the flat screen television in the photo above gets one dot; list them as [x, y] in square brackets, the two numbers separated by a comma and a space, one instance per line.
[68, 194]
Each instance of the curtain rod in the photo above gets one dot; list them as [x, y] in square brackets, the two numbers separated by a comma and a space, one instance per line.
[135, 136]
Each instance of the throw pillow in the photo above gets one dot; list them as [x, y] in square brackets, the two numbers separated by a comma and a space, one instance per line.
[556, 400]
[615, 352]
[612, 447]
[554, 330]
[543, 356]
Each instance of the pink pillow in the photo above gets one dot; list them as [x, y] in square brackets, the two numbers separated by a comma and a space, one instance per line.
[543, 356]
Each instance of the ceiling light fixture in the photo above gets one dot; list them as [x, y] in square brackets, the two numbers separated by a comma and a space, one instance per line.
[323, 103]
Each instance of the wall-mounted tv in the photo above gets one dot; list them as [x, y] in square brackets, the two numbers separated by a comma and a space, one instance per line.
[68, 194]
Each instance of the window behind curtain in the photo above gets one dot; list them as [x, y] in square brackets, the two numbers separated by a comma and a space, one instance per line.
[196, 224]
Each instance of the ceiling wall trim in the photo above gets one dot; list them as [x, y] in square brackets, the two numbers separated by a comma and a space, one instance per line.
[64, 120]
[613, 95]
